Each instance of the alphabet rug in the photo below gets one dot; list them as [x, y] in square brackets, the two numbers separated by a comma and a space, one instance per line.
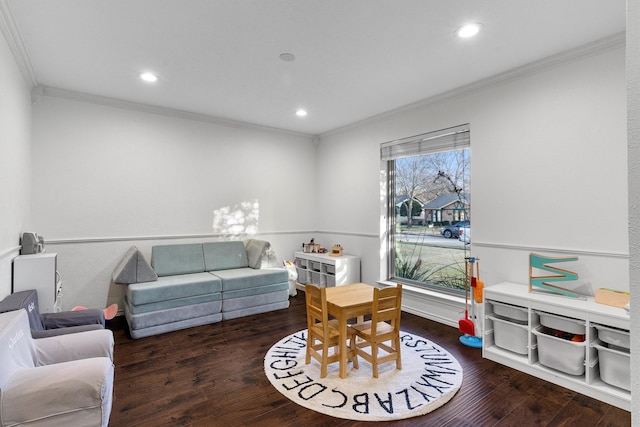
[429, 378]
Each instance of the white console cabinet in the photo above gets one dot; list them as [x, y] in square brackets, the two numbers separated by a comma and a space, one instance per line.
[39, 272]
[522, 341]
[326, 271]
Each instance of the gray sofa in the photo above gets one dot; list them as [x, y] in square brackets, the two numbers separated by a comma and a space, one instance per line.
[198, 284]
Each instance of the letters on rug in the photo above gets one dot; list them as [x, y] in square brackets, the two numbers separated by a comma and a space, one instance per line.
[429, 378]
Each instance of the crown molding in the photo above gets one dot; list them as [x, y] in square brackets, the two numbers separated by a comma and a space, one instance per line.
[39, 91]
[16, 45]
[605, 44]
[14, 41]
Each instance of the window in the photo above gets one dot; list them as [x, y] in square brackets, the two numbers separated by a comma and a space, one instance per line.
[428, 205]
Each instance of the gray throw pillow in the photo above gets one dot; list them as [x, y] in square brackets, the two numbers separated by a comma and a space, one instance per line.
[134, 268]
[255, 251]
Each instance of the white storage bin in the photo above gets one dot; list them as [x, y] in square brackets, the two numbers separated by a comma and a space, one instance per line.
[615, 366]
[331, 281]
[510, 312]
[562, 323]
[302, 276]
[509, 335]
[314, 265]
[301, 263]
[315, 278]
[616, 337]
[331, 269]
[562, 355]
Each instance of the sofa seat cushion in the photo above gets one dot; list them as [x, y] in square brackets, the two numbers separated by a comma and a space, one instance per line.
[250, 311]
[172, 303]
[245, 302]
[174, 326]
[255, 291]
[244, 278]
[173, 287]
[170, 315]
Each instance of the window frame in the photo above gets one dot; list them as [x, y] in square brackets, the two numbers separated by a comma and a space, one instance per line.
[449, 139]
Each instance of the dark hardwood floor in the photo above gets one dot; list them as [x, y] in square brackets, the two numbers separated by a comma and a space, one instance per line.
[213, 376]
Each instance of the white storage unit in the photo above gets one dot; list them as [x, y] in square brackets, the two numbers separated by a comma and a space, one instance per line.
[325, 270]
[39, 272]
[515, 321]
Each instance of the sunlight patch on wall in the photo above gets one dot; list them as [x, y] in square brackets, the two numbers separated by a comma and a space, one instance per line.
[239, 219]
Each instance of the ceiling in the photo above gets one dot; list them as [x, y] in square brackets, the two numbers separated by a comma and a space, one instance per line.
[354, 59]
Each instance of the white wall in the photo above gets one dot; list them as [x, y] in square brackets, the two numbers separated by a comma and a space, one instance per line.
[633, 129]
[106, 178]
[548, 169]
[15, 161]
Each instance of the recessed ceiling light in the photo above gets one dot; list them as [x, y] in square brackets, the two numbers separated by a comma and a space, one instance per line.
[149, 77]
[469, 30]
[288, 57]
[301, 113]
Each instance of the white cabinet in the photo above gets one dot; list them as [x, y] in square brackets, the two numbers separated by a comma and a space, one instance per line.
[326, 271]
[39, 272]
[530, 340]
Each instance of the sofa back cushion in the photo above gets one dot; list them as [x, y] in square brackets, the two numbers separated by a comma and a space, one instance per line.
[27, 300]
[169, 260]
[224, 255]
[17, 349]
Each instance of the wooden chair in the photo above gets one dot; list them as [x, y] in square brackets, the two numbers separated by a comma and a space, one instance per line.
[323, 333]
[384, 326]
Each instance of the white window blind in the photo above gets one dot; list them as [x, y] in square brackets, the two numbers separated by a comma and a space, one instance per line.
[433, 142]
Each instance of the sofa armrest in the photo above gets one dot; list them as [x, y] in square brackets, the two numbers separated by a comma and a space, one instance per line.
[72, 393]
[64, 331]
[69, 347]
[255, 251]
[92, 316]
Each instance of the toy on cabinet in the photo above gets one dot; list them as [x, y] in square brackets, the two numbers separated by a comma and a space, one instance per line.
[612, 297]
[542, 262]
[336, 250]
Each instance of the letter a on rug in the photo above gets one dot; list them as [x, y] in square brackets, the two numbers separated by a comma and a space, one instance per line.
[429, 378]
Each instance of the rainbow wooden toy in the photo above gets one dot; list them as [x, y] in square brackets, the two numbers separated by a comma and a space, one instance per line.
[541, 262]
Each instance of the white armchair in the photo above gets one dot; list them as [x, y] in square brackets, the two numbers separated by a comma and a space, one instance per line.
[61, 380]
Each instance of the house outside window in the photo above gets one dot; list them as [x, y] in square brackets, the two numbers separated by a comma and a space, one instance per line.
[428, 174]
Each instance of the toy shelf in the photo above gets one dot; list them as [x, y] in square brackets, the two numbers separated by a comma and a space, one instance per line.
[576, 363]
[326, 271]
